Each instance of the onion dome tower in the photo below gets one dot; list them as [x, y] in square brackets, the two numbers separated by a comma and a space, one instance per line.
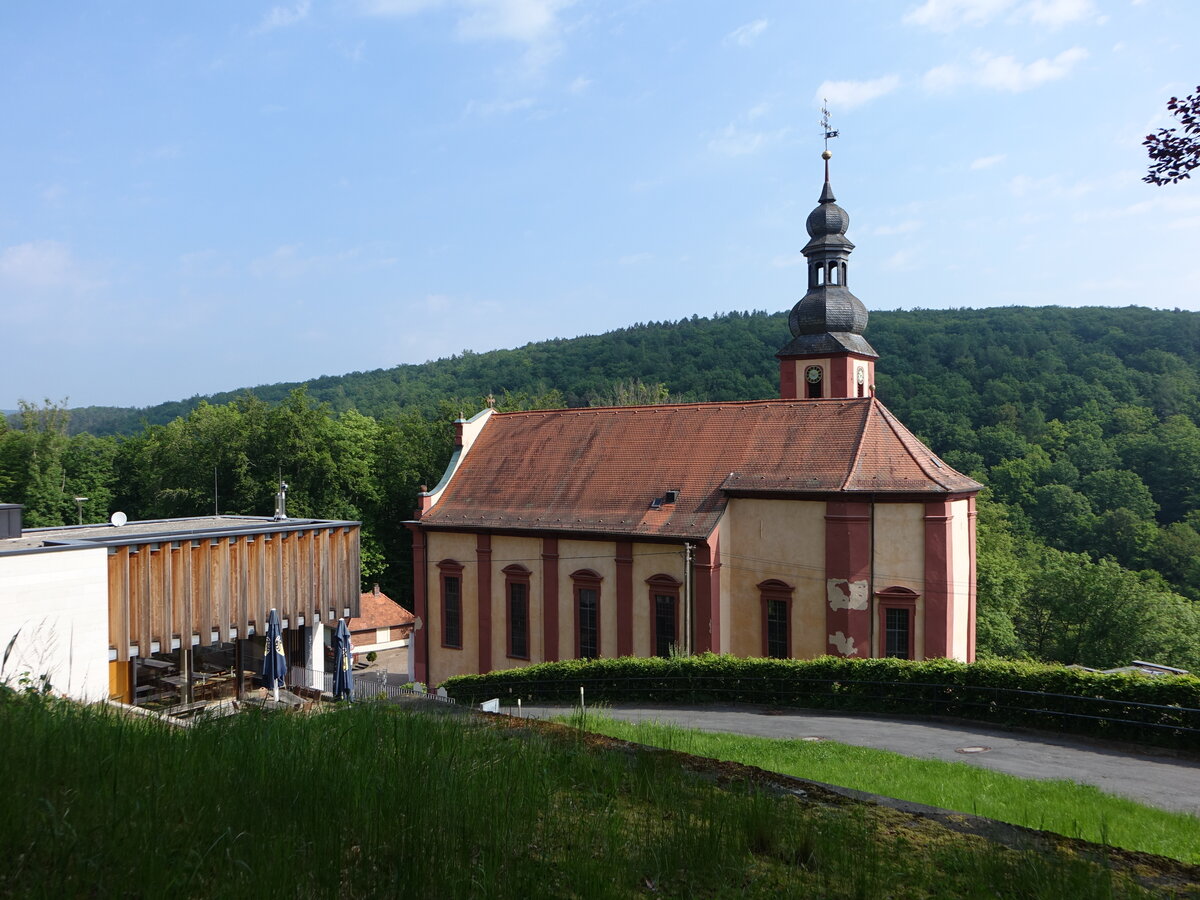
[827, 356]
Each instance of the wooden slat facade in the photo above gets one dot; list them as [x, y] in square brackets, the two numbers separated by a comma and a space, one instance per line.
[164, 591]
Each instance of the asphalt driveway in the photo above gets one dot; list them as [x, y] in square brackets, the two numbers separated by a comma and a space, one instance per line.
[1163, 781]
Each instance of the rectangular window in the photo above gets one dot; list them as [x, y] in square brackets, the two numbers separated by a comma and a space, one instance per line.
[664, 624]
[897, 634]
[777, 629]
[589, 623]
[518, 619]
[451, 611]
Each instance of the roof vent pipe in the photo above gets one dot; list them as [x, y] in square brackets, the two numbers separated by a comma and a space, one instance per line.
[281, 502]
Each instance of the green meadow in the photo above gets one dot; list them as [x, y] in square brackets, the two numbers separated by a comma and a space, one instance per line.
[375, 800]
[1064, 807]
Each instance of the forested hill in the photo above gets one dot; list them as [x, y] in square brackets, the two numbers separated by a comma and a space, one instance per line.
[963, 362]
[1082, 423]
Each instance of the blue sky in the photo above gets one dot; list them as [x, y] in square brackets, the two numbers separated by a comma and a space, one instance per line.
[197, 197]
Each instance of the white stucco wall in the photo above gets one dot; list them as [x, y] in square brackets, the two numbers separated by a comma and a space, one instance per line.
[56, 603]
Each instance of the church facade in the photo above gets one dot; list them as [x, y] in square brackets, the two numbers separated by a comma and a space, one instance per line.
[795, 527]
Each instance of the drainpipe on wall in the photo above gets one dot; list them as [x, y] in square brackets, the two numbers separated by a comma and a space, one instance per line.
[688, 599]
[873, 613]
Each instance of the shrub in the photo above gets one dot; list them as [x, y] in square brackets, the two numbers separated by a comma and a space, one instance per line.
[1163, 710]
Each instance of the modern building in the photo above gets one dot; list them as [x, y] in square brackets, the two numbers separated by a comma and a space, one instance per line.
[166, 612]
[795, 527]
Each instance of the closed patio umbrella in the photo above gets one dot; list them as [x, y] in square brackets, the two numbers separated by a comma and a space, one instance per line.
[343, 673]
[274, 662]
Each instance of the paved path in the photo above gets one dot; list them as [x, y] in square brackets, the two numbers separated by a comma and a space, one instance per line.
[1163, 781]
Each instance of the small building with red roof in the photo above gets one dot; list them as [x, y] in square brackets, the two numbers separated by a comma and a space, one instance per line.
[381, 624]
[796, 527]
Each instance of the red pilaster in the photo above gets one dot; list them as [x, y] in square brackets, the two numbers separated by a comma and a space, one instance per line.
[839, 376]
[483, 557]
[550, 599]
[847, 573]
[420, 639]
[707, 588]
[624, 560]
[972, 515]
[787, 380]
[939, 608]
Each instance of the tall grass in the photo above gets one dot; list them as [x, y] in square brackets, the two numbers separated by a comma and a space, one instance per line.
[375, 801]
[1064, 807]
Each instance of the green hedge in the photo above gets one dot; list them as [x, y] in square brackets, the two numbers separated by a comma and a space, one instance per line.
[1163, 710]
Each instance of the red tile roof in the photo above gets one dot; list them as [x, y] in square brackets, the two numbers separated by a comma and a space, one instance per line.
[379, 611]
[598, 470]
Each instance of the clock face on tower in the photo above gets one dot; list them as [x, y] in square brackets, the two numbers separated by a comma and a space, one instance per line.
[861, 375]
[813, 374]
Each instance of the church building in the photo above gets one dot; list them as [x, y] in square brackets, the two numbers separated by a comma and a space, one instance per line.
[797, 527]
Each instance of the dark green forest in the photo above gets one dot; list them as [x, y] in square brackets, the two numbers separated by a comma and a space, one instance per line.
[1081, 422]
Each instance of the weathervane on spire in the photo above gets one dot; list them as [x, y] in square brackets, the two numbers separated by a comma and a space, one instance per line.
[829, 133]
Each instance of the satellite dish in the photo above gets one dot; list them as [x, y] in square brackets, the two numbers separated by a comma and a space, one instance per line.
[418, 624]
[119, 518]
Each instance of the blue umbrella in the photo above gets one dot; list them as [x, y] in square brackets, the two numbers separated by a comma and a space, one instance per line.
[343, 673]
[274, 662]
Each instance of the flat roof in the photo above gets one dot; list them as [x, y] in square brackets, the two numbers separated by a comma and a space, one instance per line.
[160, 530]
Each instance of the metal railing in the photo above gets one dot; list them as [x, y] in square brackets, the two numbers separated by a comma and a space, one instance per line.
[1122, 718]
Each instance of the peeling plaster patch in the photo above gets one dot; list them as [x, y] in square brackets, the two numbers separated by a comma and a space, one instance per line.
[845, 594]
[845, 645]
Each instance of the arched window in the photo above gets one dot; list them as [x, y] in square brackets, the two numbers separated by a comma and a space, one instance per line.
[516, 595]
[664, 613]
[776, 618]
[450, 575]
[587, 613]
[897, 622]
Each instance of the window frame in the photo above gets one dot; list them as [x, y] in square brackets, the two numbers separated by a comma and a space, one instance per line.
[586, 580]
[769, 591]
[899, 599]
[451, 569]
[667, 586]
[516, 576]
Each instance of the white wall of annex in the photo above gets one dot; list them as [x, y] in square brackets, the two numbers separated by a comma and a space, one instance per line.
[56, 604]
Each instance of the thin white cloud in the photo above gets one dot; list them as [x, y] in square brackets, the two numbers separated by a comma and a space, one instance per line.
[498, 107]
[634, 259]
[788, 260]
[745, 35]
[947, 15]
[849, 94]
[284, 16]
[287, 261]
[526, 21]
[42, 265]
[986, 162]
[1002, 73]
[734, 141]
[950, 15]
[901, 259]
[579, 85]
[1057, 13]
[899, 228]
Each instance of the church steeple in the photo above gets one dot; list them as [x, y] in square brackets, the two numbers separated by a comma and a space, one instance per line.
[827, 356]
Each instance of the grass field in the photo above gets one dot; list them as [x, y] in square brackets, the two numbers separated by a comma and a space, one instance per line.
[374, 800]
[1064, 807]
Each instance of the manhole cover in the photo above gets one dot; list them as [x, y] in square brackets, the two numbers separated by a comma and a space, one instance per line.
[972, 749]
